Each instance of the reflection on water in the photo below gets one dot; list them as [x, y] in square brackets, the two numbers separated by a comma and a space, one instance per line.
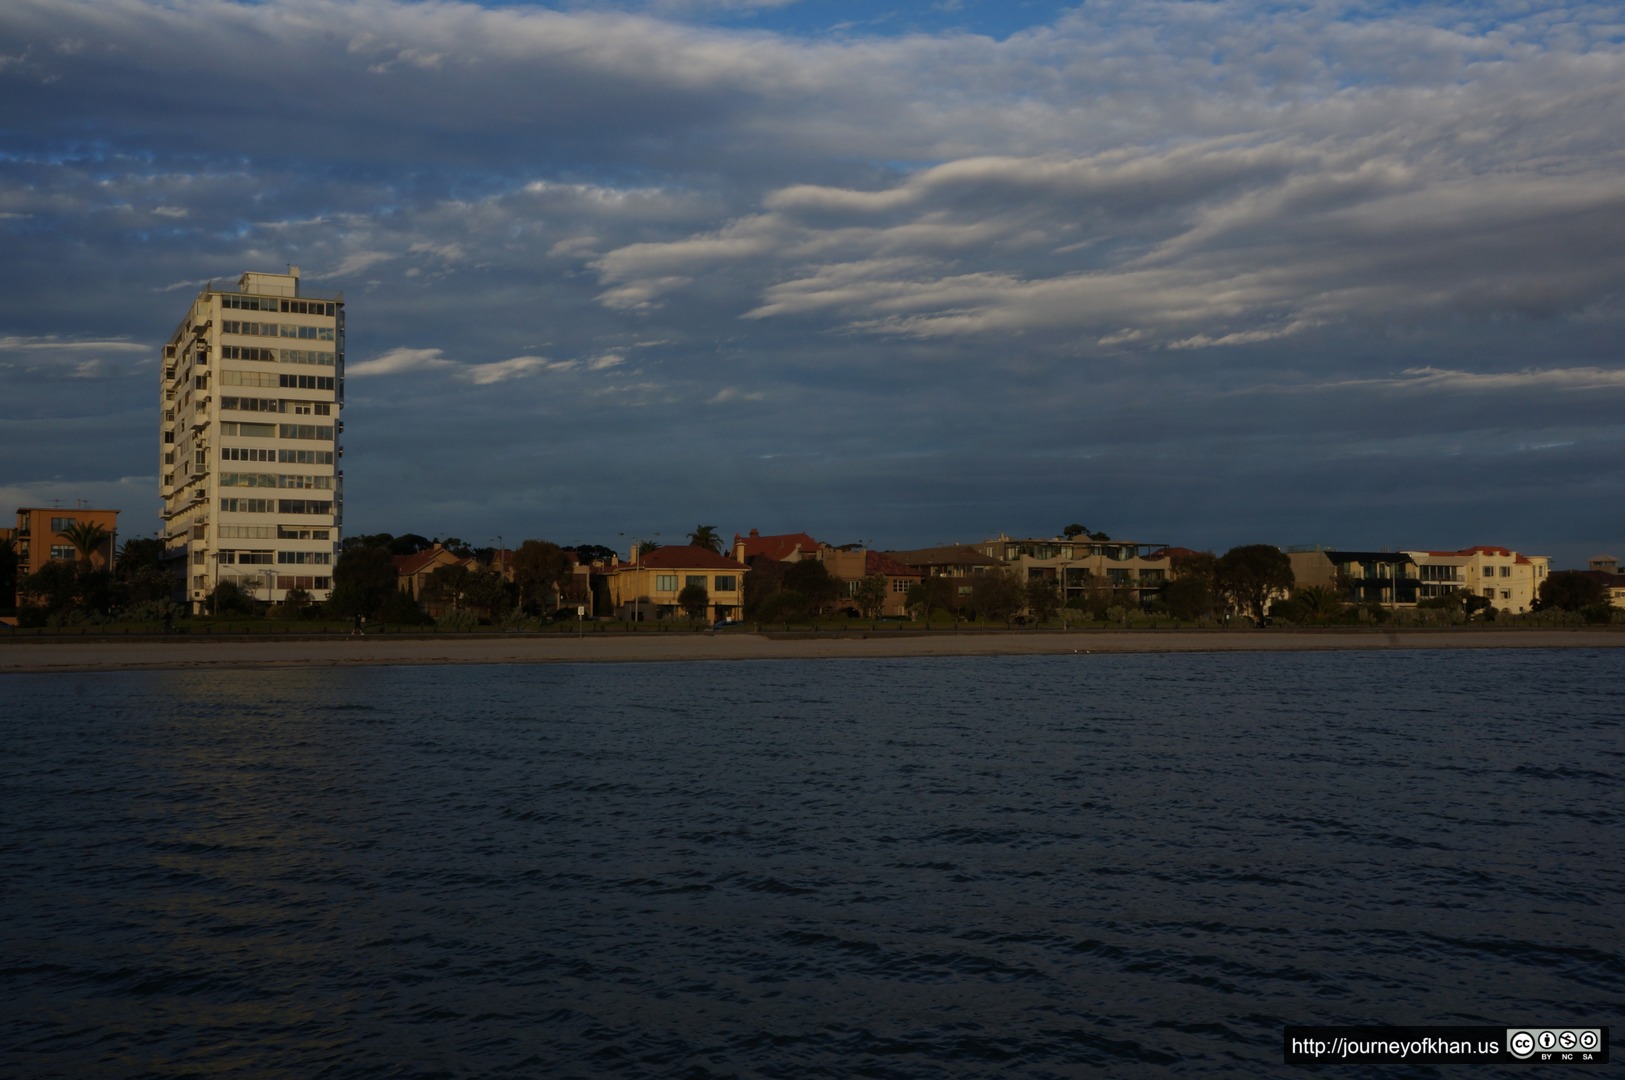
[1046, 866]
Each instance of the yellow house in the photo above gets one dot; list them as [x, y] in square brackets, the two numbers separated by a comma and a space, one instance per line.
[649, 586]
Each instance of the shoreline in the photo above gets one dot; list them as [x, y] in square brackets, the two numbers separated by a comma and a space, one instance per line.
[45, 656]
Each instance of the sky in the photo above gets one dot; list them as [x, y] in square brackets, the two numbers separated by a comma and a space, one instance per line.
[1202, 274]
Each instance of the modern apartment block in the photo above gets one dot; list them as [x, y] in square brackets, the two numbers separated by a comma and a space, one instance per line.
[1133, 572]
[253, 383]
[1509, 580]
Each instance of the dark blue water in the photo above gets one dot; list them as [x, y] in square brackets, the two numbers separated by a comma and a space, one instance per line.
[1055, 866]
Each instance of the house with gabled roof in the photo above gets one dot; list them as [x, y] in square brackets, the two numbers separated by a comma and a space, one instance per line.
[412, 571]
[900, 578]
[649, 586]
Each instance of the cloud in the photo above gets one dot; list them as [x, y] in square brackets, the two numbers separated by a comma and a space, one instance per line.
[517, 367]
[731, 394]
[52, 343]
[1175, 253]
[401, 362]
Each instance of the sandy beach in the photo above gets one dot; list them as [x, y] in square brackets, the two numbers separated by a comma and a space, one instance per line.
[180, 653]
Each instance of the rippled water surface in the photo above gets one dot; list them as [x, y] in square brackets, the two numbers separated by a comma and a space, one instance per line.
[1053, 866]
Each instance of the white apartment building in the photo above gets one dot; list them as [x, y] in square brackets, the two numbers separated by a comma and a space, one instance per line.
[1508, 579]
[253, 383]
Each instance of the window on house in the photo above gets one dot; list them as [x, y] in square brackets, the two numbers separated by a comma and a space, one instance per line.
[695, 579]
[665, 583]
[727, 582]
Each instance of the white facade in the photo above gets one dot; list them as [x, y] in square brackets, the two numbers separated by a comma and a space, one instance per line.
[1509, 580]
[253, 383]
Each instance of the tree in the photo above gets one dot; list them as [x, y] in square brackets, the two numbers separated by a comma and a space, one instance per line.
[1072, 532]
[361, 540]
[931, 595]
[228, 598]
[705, 536]
[146, 585]
[870, 595]
[87, 538]
[1248, 576]
[782, 606]
[408, 544]
[444, 586]
[1188, 598]
[538, 568]
[401, 609]
[997, 596]
[54, 585]
[1190, 595]
[693, 600]
[591, 553]
[1318, 604]
[138, 554]
[812, 580]
[764, 578]
[294, 603]
[8, 570]
[1043, 598]
[1572, 590]
[363, 578]
[487, 594]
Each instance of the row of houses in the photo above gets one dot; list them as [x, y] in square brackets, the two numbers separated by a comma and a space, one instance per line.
[650, 585]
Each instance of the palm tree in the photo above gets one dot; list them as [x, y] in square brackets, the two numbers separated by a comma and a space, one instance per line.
[1319, 603]
[87, 538]
[705, 536]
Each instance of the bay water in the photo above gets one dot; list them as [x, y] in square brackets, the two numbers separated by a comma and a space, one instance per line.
[1117, 865]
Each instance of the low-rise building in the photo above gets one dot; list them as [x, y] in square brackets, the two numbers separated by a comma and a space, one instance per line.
[1385, 578]
[39, 537]
[649, 586]
[851, 567]
[960, 562]
[1509, 580]
[1134, 573]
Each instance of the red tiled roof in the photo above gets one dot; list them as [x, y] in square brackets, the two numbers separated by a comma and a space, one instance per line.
[779, 547]
[876, 562]
[407, 565]
[685, 557]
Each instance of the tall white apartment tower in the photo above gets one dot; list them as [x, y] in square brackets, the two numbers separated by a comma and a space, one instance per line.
[253, 382]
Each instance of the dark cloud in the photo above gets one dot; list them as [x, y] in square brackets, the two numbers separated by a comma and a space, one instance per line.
[1204, 274]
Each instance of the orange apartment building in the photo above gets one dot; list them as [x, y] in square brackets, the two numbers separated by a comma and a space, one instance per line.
[39, 540]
